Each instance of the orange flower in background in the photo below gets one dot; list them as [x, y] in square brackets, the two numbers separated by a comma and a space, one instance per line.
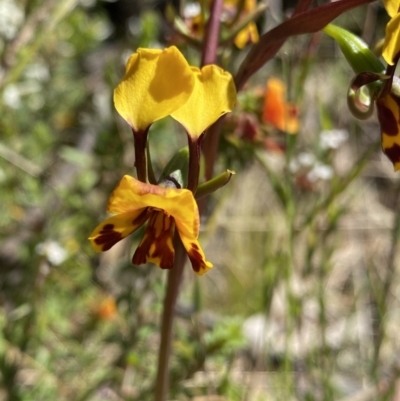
[277, 111]
[106, 309]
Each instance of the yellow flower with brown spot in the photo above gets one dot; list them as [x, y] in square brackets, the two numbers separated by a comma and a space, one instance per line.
[164, 208]
[388, 108]
[391, 45]
[156, 83]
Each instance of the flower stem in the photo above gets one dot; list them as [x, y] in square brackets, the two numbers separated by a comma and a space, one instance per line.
[140, 141]
[211, 40]
[171, 296]
[209, 56]
[194, 163]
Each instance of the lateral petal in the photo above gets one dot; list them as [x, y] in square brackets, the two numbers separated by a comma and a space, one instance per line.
[196, 255]
[214, 94]
[391, 45]
[392, 7]
[248, 34]
[115, 228]
[388, 108]
[155, 84]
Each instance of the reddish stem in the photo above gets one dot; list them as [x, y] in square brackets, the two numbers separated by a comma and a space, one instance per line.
[194, 162]
[211, 140]
[171, 296]
[211, 39]
[140, 141]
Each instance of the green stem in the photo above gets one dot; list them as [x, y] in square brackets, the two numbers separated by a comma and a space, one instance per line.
[171, 296]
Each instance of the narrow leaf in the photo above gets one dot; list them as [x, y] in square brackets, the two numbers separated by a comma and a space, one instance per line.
[305, 22]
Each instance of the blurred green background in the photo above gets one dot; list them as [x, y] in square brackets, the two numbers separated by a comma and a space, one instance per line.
[302, 303]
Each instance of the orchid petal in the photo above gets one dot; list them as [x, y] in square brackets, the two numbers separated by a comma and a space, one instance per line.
[391, 45]
[388, 108]
[196, 255]
[392, 7]
[214, 94]
[246, 35]
[132, 194]
[155, 84]
[114, 229]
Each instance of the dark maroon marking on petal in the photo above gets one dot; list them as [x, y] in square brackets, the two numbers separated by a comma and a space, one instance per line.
[387, 119]
[393, 153]
[195, 258]
[108, 237]
[166, 256]
[140, 255]
[161, 251]
[141, 218]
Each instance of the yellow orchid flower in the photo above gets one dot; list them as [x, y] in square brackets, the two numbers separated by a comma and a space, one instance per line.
[391, 45]
[249, 34]
[156, 83]
[214, 94]
[133, 203]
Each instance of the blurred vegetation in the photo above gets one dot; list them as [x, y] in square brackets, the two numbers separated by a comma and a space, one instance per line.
[302, 301]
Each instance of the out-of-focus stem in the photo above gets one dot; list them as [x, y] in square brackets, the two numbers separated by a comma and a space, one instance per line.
[210, 147]
[171, 295]
[210, 47]
[211, 39]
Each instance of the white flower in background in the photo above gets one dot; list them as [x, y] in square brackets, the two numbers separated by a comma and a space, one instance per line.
[320, 172]
[13, 93]
[11, 18]
[37, 71]
[332, 139]
[191, 10]
[303, 161]
[53, 252]
[294, 166]
[306, 159]
[11, 96]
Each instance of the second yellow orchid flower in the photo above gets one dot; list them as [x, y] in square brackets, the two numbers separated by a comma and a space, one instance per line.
[391, 45]
[133, 203]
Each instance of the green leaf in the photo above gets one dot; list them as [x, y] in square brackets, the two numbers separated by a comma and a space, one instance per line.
[356, 51]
